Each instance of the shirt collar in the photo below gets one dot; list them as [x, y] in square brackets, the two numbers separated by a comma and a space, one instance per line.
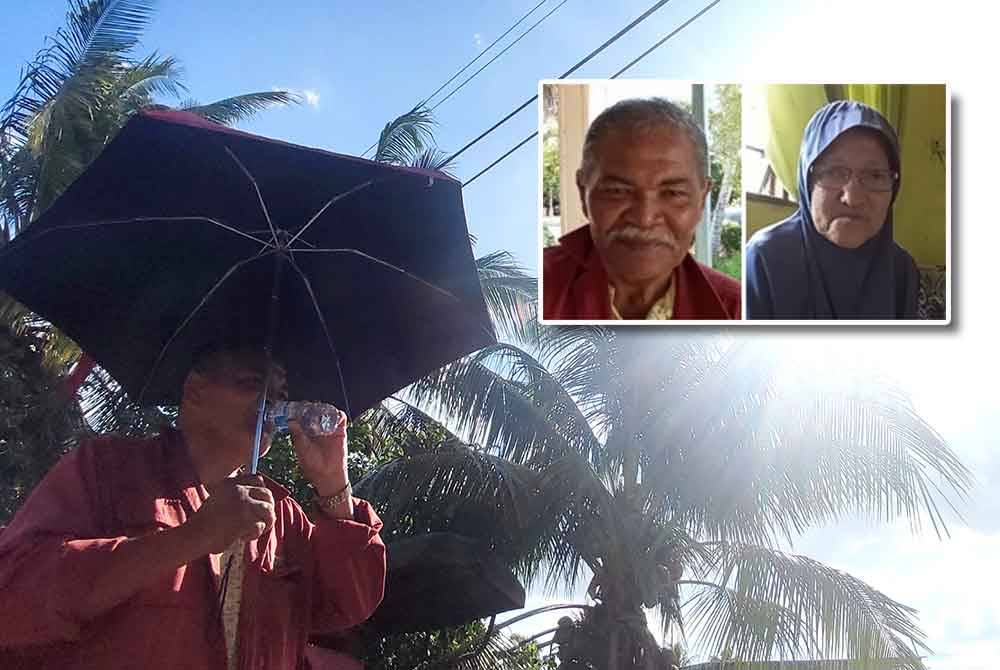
[662, 309]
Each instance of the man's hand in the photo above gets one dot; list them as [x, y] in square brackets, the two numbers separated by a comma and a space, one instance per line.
[323, 458]
[238, 508]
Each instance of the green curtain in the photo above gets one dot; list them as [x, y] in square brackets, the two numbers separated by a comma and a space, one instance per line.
[789, 108]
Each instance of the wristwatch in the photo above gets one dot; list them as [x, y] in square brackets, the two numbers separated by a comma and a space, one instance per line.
[330, 503]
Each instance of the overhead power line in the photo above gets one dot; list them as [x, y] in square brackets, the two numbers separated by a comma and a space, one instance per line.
[614, 76]
[614, 38]
[487, 64]
[470, 63]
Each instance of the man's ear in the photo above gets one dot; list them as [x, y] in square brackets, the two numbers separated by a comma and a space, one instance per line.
[582, 189]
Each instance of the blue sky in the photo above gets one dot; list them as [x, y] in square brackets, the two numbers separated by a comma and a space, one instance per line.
[369, 62]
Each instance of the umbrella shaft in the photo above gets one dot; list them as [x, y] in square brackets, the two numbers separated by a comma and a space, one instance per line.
[272, 325]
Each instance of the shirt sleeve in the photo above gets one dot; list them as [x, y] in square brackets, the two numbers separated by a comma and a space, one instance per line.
[350, 562]
[50, 554]
[759, 304]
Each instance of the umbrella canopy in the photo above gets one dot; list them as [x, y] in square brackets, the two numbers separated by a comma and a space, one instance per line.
[180, 232]
[439, 580]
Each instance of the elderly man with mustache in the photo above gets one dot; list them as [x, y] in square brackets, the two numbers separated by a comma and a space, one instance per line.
[642, 183]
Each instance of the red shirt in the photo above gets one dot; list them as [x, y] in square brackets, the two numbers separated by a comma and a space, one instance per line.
[575, 285]
[305, 576]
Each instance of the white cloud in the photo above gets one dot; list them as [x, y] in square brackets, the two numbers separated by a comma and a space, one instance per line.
[311, 97]
[478, 39]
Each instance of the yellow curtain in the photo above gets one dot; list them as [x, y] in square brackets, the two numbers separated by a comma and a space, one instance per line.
[789, 108]
[886, 98]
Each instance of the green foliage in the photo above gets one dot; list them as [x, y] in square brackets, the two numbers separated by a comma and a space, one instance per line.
[731, 238]
[715, 171]
[729, 265]
[550, 173]
[37, 425]
[725, 135]
[548, 239]
[460, 648]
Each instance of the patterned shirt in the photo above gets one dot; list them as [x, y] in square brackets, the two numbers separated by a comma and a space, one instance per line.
[662, 309]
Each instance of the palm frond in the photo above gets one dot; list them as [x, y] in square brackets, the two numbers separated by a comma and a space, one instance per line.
[62, 78]
[460, 490]
[503, 397]
[19, 171]
[101, 29]
[229, 111]
[137, 84]
[495, 650]
[511, 297]
[395, 421]
[786, 454]
[405, 138]
[767, 603]
[432, 158]
[107, 408]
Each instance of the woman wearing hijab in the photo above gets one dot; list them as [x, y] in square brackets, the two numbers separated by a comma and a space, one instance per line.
[835, 258]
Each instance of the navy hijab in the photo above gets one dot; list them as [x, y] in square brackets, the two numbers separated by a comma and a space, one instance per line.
[793, 272]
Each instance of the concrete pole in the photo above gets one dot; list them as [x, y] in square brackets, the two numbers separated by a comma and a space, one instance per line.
[703, 238]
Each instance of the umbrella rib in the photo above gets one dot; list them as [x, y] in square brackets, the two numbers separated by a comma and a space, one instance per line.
[267, 215]
[305, 242]
[326, 333]
[324, 208]
[194, 312]
[384, 263]
[149, 219]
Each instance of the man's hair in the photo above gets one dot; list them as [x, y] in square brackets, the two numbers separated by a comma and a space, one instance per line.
[220, 357]
[639, 114]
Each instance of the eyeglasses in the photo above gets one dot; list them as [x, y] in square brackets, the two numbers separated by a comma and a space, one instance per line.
[837, 177]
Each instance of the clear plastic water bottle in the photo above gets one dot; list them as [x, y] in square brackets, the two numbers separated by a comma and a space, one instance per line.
[316, 418]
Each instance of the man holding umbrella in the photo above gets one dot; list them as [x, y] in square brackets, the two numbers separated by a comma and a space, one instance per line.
[114, 560]
[357, 276]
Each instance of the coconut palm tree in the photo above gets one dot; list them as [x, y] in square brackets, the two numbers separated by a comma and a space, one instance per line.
[665, 464]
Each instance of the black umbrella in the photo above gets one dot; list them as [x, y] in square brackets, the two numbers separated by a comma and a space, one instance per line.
[360, 276]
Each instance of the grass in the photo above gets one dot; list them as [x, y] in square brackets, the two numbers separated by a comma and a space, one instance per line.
[730, 265]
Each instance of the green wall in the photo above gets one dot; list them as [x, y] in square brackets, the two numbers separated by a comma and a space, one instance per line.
[763, 211]
[919, 215]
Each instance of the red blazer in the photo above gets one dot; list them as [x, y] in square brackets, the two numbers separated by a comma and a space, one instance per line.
[575, 285]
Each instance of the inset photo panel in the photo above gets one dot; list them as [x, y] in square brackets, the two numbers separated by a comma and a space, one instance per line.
[640, 202]
[847, 203]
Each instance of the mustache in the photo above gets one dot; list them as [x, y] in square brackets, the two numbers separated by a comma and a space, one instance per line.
[637, 234]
